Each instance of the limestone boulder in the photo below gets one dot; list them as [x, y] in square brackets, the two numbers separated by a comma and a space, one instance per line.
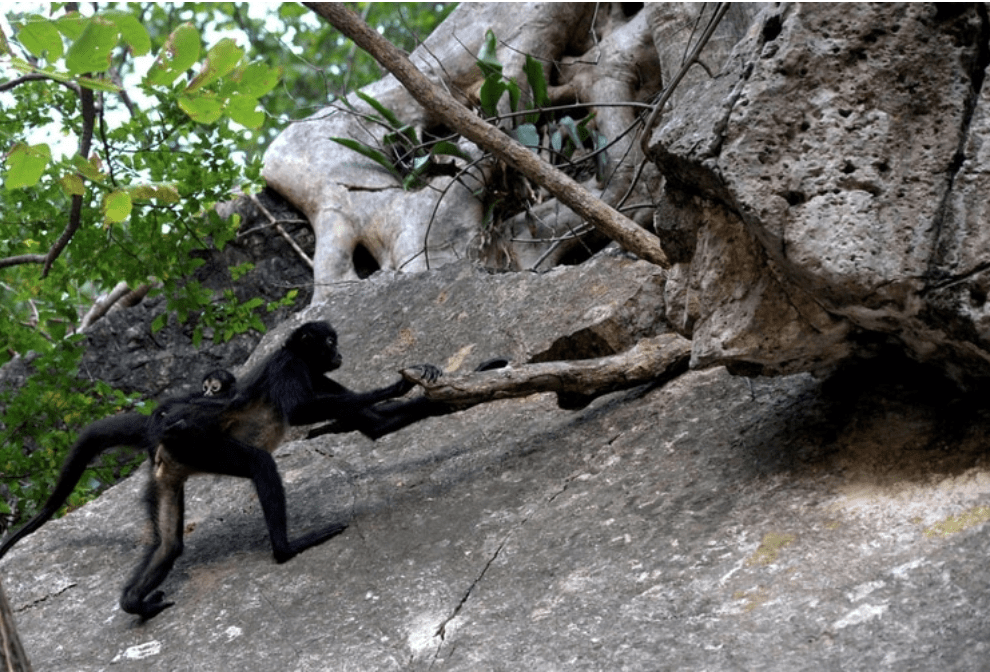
[830, 179]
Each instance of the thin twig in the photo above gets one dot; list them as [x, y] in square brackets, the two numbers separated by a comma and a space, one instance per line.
[35, 77]
[282, 232]
[723, 7]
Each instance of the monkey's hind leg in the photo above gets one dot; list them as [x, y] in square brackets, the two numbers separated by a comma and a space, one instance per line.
[220, 454]
[166, 506]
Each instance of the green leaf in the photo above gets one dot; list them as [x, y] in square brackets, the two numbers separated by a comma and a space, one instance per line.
[388, 114]
[583, 129]
[116, 207]
[91, 169]
[487, 60]
[239, 271]
[490, 93]
[528, 135]
[91, 52]
[570, 129]
[448, 148]
[403, 136]
[72, 25]
[163, 193]
[25, 165]
[537, 81]
[202, 108]
[514, 94]
[255, 80]
[599, 141]
[420, 164]
[181, 51]
[73, 185]
[39, 35]
[370, 152]
[98, 84]
[244, 110]
[221, 60]
[290, 10]
[131, 31]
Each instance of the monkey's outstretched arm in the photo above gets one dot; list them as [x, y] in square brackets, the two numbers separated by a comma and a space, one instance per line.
[342, 403]
[377, 420]
[127, 429]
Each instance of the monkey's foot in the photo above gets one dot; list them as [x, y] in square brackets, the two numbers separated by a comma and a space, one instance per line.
[150, 607]
[308, 541]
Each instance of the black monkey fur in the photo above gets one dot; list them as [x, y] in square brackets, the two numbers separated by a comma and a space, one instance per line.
[237, 437]
[125, 429]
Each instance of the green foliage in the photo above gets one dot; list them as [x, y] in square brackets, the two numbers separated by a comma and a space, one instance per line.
[54, 398]
[402, 154]
[171, 135]
[140, 200]
[570, 135]
[25, 165]
[565, 135]
[496, 86]
[409, 160]
[317, 64]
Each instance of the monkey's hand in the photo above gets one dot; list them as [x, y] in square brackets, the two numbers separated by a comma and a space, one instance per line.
[428, 372]
[413, 375]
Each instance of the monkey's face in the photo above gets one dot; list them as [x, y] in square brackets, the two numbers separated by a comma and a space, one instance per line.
[316, 344]
[333, 355]
[211, 387]
[218, 383]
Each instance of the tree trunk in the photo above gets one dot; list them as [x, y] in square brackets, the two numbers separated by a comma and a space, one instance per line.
[12, 656]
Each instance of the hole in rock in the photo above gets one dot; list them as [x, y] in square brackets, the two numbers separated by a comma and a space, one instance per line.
[364, 263]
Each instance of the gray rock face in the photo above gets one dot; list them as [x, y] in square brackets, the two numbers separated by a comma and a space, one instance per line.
[830, 178]
[716, 523]
[824, 198]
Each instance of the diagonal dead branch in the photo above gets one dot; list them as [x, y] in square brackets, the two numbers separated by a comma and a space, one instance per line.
[434, 99]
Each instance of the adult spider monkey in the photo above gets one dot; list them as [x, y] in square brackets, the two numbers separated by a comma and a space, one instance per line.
[236, 438]
[126, 429]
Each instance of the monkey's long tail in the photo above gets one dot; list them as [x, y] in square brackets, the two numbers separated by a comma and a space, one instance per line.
[127, 429]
